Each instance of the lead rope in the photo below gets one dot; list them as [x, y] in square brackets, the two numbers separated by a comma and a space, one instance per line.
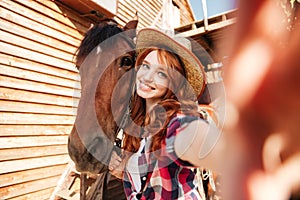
[200, 184]
[204, 174]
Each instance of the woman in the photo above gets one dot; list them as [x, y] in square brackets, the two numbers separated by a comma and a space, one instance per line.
[159, 142]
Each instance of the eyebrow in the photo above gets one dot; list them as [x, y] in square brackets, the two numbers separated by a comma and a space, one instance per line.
[145, 61]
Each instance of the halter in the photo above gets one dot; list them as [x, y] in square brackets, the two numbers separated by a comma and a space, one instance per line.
[120, 131]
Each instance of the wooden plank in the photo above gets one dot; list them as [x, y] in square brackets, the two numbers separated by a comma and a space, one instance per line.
[73, 17]
[186, 16]
[35, 97]
[25, 118]
[40, 194]
[122, 13]
[35, 26]
[193, 32]
[32, 141]
[31, 163]
[30, 175]
[37, 57]
[211, 27]
[157, 4]
[39, 17]
[22, 31]
[144, 6]
[16, 83]
[35, 46]
[36, 76]
[34, 130]
[31, 152]
[222, 24]
[29, 187]
[12, 60]
[129, 10]
[147, 11]
[13, 106]
[143, 21]
[144, 16]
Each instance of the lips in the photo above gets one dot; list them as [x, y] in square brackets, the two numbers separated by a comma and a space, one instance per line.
[145, 87]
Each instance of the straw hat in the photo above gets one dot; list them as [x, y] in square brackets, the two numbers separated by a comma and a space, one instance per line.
[149, 37]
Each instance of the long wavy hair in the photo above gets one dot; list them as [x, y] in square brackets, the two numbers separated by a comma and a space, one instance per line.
[174, 101]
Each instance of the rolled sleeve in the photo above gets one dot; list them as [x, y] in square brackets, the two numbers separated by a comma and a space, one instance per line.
[174, 127]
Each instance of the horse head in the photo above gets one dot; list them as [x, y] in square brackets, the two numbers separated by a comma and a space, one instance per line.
[105, 58]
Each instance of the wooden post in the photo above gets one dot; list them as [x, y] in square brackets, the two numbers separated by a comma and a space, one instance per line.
[204, 7]
[83, 186]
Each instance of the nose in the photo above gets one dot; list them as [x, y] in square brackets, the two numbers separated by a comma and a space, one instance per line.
[148, 76]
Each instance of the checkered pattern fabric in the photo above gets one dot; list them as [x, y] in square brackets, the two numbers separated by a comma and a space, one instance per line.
[149, 176]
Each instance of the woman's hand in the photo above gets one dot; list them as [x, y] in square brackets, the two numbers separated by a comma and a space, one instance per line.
[262, 81]
[116, 165]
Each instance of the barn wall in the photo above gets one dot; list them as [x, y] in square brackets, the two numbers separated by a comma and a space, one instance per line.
[39, 88]
[39, 92]
[186, 16]
[148, 11]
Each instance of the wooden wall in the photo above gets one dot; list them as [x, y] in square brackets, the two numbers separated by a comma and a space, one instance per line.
[39, 89]
[148, 11]
[39, 92]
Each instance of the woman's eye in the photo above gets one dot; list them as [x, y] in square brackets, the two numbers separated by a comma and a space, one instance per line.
[126, 61]
[162, 74]
[145, 66]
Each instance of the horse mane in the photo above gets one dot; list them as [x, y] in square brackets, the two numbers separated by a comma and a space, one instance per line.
[93, 37]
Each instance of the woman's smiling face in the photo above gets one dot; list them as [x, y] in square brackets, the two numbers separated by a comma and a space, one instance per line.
[152, 79]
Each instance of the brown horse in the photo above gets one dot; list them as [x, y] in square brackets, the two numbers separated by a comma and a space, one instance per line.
[105, 55]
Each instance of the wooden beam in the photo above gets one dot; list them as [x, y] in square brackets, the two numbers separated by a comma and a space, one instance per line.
[30, 13]
[36, 76]
[31, 175]
[24, 107]
[12, 60]
[28, 85]
[32, 151]
[210, 27]
[27, 54]
[34, 130]
[32, 163]
[32, 141]
[15, 17]
[23, 188]
[39, 194]
[27, 118]
[36, 97]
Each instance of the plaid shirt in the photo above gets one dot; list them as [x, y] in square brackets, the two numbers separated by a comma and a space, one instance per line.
[165, 177]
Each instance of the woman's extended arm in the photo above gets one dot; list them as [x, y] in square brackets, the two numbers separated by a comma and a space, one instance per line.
[201, 144]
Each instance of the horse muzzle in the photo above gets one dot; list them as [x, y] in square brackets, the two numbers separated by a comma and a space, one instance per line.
[90, 156]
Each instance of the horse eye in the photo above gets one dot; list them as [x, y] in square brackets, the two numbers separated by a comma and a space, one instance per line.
[126, 61]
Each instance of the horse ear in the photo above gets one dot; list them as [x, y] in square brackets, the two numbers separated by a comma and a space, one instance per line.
[130, 28]
[131, 25]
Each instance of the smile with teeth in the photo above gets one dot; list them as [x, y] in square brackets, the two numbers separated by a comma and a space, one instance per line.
[145, 86]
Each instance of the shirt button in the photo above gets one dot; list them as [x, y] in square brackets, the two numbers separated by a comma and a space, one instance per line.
[144, 178]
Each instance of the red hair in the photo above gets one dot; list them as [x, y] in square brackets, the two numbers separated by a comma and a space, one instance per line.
[174, 101]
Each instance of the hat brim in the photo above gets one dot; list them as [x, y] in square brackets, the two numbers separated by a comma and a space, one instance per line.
[148, 37]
